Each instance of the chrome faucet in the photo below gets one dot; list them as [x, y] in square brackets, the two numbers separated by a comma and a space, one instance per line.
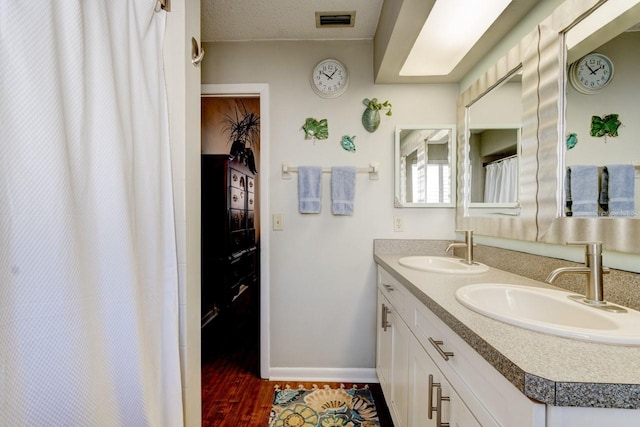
[468, 245]
[593, 269]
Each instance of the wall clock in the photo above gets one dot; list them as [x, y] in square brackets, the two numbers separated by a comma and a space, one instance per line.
[591, 73]
[330, 78]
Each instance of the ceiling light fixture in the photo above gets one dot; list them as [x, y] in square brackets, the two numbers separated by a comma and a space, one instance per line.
[451, 30]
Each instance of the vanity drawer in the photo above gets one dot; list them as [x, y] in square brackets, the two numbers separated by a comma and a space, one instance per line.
[397, 294]
[490, 396]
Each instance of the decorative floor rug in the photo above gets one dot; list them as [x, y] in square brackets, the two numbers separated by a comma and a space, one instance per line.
[323, 407]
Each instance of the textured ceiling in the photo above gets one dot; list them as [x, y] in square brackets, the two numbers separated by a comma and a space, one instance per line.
[401, 22]
[234, 20]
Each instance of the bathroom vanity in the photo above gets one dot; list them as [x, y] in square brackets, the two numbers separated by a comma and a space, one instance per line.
[439, 362]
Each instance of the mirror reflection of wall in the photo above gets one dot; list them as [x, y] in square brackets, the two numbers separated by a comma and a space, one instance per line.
[424, 165]
[494, 138]
[620, 96]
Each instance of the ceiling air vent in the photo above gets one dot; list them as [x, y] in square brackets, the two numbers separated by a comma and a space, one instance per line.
[335, 19]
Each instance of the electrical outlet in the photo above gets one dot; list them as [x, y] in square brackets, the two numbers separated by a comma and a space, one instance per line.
[398, 223]
[278, 222]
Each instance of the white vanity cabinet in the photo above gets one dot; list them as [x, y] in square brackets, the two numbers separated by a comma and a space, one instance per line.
[429, 374]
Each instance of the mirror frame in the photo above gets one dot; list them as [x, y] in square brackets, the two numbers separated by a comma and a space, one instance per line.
[519, 224]
[617, 234]
[452, 163]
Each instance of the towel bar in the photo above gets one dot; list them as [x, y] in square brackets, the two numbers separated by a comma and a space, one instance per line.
[372, 170]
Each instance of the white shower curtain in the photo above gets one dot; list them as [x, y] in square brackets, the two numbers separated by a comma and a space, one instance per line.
[501, 179]
[88, 268]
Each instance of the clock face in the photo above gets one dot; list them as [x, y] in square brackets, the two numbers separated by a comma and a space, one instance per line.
[329, 78]
[591, 73]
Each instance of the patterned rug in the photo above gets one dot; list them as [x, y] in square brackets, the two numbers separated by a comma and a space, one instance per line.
[323, 407]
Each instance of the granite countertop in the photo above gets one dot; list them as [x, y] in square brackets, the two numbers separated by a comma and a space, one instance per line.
[554, 370]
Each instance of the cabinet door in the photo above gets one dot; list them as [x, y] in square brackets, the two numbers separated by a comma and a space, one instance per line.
[399, 368]
[392, 359]
[383, 346]
[432, 401]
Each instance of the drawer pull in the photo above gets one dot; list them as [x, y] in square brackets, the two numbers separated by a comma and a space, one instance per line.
[445, 354]
[439, 399]
[431, 407]
[385, 322]
[388, 287]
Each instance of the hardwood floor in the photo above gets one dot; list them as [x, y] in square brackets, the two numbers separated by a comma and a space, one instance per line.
[233, 394]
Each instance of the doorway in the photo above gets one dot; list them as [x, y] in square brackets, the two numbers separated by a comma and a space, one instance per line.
[248, 98]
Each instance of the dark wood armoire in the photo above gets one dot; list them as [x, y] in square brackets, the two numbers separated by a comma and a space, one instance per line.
[229, 253]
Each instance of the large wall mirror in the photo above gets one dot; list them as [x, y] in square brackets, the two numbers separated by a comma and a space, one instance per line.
[425, 166]
[546, 94]
[610, 30]
[498, 122]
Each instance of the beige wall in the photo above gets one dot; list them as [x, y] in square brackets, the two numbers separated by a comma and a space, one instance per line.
[322, 274]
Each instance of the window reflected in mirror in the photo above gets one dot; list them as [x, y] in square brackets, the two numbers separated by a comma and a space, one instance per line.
[602, 153]
[424, 166]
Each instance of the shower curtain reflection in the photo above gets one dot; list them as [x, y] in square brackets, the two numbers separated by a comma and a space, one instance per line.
[501, 181]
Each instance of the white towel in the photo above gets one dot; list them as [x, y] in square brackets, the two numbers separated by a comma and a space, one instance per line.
[582, 190]
[343, 189]
[618, 189]
[309, 189]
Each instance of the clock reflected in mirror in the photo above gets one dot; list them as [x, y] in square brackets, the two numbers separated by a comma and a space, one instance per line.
[591, 73]
[329, 78]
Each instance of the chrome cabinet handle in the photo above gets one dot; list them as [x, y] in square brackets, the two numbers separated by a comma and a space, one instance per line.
[439, 399]
[385, 323]
[445, 354]
[430, 397]
[388, 287]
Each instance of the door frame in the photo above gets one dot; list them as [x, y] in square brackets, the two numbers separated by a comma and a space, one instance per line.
[260, 90]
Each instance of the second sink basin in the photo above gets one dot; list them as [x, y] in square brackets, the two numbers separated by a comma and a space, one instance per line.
[441, 264]
[550, 311]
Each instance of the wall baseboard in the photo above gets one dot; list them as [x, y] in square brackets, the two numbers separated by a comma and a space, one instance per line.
[346, 375]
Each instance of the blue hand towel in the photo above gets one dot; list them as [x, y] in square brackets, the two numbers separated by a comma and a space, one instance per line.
[343, 190]
[309, 188]
[618, 189]
[582, 190]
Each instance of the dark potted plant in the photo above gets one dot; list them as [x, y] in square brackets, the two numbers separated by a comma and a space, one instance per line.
[244, 135]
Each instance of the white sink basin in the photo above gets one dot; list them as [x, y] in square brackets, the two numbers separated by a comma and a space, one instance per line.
[441, 264]
[552, 312]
